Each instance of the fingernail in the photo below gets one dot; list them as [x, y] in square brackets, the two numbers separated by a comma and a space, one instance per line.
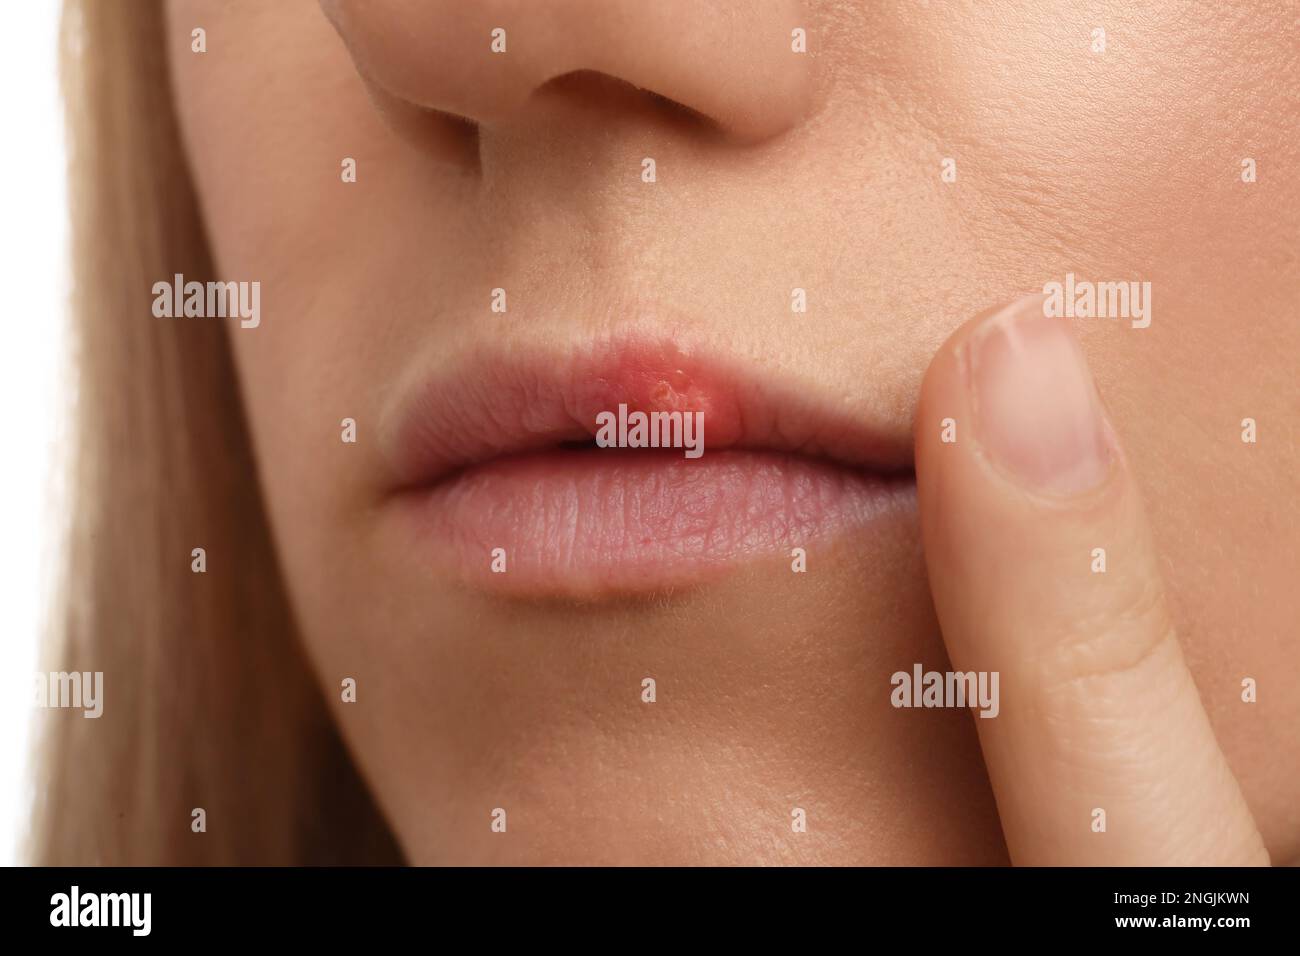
[1037, 412]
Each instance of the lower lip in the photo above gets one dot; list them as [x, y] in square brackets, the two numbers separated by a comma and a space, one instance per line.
[587, 522]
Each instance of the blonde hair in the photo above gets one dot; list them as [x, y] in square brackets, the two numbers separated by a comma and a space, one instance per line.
[208, 701]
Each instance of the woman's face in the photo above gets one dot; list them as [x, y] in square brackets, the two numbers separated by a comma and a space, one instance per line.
[502, 270]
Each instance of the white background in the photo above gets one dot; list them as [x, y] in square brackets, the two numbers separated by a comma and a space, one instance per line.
[34, 380]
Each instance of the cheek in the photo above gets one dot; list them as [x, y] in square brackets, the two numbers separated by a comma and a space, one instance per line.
[269, 113]
[1127, 165]
[1100, 128]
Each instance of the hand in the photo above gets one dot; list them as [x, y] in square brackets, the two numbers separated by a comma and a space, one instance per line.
[1098, 711]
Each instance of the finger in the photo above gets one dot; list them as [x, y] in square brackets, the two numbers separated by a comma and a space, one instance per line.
[1100, 752]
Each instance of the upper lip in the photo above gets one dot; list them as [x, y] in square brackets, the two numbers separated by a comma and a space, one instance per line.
[495, 402]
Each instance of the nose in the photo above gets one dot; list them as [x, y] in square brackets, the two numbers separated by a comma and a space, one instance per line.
[734, 62]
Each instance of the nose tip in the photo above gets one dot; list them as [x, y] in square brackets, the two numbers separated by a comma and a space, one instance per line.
[734, 62]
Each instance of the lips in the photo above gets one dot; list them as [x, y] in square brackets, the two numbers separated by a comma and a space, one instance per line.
[497, 475]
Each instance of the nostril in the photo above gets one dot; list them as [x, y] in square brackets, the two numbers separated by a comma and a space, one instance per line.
[446, 136]
[597, 91]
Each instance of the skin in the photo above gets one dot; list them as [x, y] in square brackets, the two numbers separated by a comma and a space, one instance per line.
[820, 172]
